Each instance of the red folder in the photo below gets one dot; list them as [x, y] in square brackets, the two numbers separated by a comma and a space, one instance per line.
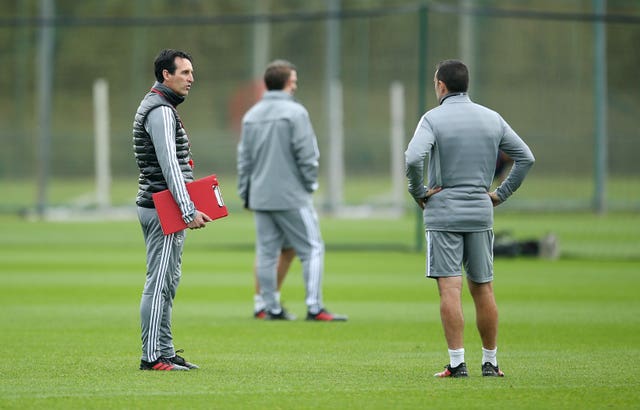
[205, 194]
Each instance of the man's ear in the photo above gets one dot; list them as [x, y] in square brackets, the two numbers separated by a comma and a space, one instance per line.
[442, 87]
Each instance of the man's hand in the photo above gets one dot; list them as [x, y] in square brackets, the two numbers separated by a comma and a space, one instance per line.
[430, 192]
[200, 220]
[494, 198]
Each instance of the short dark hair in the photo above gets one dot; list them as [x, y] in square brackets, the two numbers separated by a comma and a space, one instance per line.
[277, 74]
[454, 74]
[166, 60]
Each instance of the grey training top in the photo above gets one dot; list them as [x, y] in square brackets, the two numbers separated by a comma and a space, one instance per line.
[461, 140]
[277, 155]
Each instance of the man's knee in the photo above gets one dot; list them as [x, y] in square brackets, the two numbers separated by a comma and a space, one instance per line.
[480, 288]
[310, 251]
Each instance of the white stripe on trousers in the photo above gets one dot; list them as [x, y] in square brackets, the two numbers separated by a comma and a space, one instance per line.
[157, 307]
[428, 253]
[315, 257]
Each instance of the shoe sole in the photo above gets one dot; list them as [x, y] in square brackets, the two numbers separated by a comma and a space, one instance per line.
[276, 318]
[333, 318]
[492, 372]
[451, 376]
[461, 371]
[163, 367]
[327, 320]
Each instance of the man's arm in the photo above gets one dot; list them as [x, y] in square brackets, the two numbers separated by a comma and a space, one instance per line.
[244, 168]
[161, 125]
[523, 160]
[305, 149]
[415, 158]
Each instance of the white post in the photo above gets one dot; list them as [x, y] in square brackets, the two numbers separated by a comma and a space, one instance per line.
[398, 184]
[261, 49]
[333, 112]
[44, 88]
[101, 129]
[466, 35]
[335, 184]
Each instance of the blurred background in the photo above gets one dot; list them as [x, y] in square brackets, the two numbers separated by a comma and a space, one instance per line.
[562, 73]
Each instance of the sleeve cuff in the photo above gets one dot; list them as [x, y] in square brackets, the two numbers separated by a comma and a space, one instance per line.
[189, 218]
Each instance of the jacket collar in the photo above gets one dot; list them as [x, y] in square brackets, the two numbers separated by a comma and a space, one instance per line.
[455, 97]
[167, 93]
[277, 94]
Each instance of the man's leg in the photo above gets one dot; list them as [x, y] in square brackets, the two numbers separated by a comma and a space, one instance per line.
[444, 263]
[487, 323]
[302, 230]
[486, 312]
[175, 268]
[268, 247]
[284, 262]
[478, 262]
[153, 300]
[450, 289]
[259, 307]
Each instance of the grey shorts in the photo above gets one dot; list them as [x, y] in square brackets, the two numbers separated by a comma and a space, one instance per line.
[449, 252]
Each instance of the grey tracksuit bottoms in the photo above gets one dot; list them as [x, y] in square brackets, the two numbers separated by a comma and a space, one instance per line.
[300, 229]
[164, 260]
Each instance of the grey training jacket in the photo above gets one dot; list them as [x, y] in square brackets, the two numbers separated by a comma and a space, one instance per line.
[461, 140]
[277, 155]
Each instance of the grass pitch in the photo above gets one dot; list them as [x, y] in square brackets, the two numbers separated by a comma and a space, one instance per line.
[569, 335]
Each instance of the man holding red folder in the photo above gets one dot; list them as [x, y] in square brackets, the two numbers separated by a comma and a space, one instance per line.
[163, 155]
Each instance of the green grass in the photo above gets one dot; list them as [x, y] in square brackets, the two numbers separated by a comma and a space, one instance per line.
[569, 336]
[555, 193]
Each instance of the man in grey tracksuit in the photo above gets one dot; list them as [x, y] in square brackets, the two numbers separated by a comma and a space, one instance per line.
[277, 175]
[461, 140]
[163, 155]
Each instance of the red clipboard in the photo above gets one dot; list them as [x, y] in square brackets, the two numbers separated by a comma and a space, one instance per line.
[206, 196]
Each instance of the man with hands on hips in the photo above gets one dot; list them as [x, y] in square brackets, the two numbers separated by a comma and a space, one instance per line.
[460, 140]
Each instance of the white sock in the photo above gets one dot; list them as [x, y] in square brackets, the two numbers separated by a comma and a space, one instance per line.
[277, 295]
[489, 356]
[258, 303]
[456, 356]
